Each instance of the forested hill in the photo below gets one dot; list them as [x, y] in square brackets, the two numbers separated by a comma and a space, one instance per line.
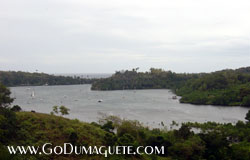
[12, 78]
[226, 87]
[154, 79]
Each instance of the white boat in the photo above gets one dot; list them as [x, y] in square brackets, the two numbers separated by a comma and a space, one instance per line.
[33, 94]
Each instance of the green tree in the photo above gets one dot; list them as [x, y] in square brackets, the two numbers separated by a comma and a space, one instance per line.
[64, 110]
[184, 132]
[108, 126]
[110, 139]
[248, 116]
[126, 140]
[246, 101]
[8, 125]
[5, 99]
[55, 109]
[73, 138]
[241, 151]
[16, 108]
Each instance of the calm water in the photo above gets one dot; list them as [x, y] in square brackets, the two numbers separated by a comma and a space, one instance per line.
[148, 106]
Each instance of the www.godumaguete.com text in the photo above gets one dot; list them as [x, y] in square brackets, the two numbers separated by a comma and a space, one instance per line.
[68, 149]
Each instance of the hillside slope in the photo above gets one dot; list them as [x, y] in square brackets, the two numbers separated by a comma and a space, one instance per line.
[215, 141]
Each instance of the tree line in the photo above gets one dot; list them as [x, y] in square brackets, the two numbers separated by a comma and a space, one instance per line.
[12, 78]
[226, 87]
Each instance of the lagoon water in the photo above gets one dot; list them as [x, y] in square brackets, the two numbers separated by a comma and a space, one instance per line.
[148, 106]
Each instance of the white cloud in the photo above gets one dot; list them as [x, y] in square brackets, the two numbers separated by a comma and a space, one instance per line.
[104, 36]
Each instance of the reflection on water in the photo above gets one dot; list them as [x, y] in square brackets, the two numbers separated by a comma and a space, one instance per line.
[148, 106]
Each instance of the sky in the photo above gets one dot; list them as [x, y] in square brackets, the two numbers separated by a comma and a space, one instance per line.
[104, 36]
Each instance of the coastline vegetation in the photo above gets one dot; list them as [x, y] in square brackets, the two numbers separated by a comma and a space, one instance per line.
[12, 78]
[226, 87]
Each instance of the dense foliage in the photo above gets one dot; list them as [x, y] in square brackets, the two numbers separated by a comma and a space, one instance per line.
[226, 87]
[155, 79]
[213, 141]
[219, 88]
[12, 78]
[5, 99]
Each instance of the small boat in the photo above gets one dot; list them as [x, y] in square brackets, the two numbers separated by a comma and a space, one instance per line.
[33, 94]
[174, 97]
[100, 100]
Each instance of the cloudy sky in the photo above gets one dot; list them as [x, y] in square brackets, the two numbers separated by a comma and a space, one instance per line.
[102, 36]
